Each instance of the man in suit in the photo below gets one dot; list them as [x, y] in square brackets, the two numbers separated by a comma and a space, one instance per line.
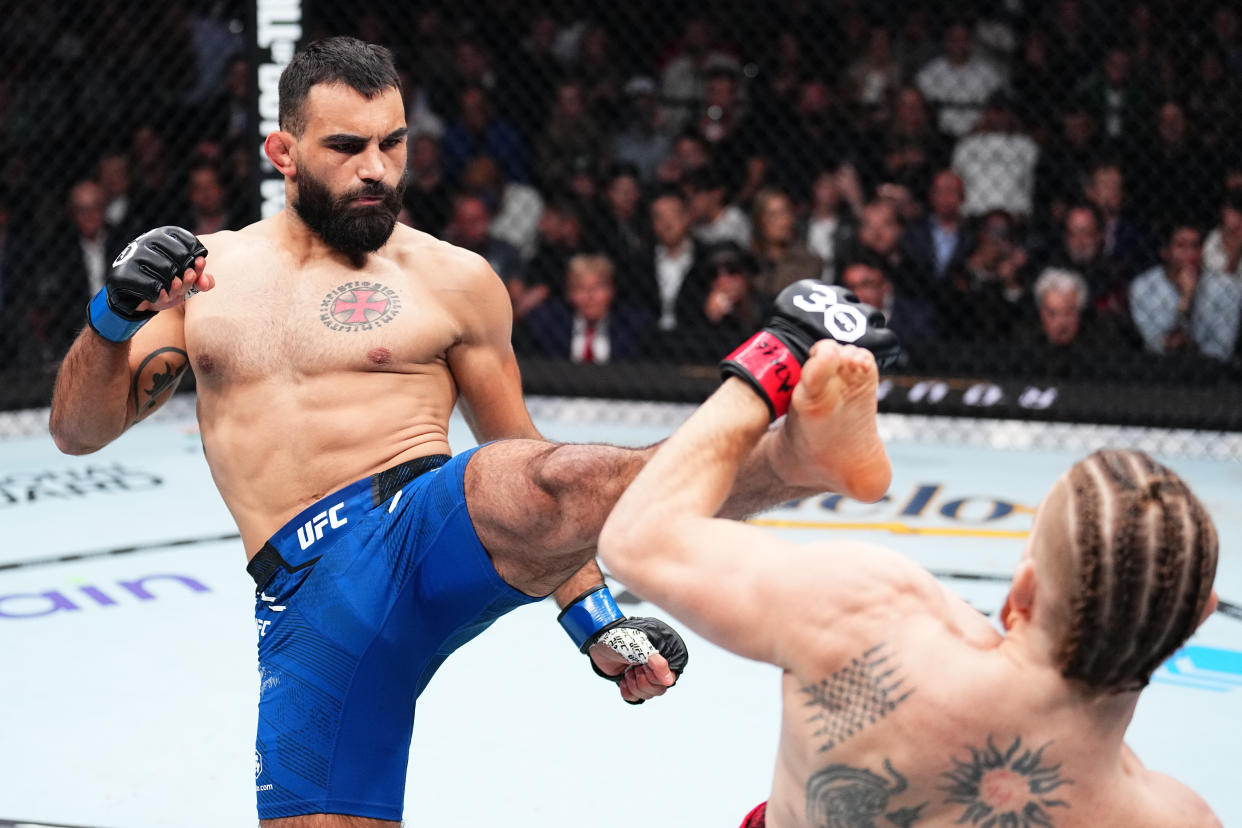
[867, 276]
[939, 242]
[80, 252]
[589, 326]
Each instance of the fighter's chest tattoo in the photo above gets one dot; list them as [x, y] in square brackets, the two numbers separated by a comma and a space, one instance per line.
[359, 306]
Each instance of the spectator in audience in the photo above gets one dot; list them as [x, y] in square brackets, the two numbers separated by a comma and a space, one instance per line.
[642, 140]
[688, 154]
[153, 195]
[830, 223]
[867, 276]
[1070, 41]
[910, 149]
[618, 226]
[1171, 175]
[78, 256]
[427, 195]
[475, 132]
[515, 207]
[915, 46]
[880, 232]
[674, 277]
[938, 242]
[782, 259]
[1213, 104]
[470, 227]
[997, 162]
[874, 77]
[1067, 339]
[685, 74]
[560, 239]
[1222, 252]
[207, 208]
[570, 137]
[1034, 83]
[730, 310]
[598, 70]
[820, 135]
[1063, 166]
[986, 297]
[469, 67]
[1115, 100]
[589, 325]
[1081, 248]
[1126, 246]
[112, 173]
[721, 118]
[1178, 306]
[958, 82]
[714, 218]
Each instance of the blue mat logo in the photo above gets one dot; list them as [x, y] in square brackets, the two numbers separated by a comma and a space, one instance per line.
[1205, 668]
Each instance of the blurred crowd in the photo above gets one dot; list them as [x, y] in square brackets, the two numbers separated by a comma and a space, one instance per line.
[1025, 188]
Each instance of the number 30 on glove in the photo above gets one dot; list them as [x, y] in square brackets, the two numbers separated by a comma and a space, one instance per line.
[804, 313]
[594, 618]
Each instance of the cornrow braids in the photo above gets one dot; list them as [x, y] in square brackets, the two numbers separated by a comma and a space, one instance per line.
[1144, 557]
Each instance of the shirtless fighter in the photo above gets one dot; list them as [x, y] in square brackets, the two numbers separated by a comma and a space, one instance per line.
[330, 346]
[902, 706]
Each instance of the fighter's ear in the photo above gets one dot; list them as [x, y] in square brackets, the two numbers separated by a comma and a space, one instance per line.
[279, 147]
[1020, 603]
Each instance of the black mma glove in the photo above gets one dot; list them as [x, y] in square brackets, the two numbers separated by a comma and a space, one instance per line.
[146, 266]
[804, 313]
[594, 618]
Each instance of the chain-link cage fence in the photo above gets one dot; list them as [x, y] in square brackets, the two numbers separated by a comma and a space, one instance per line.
[1045, 198]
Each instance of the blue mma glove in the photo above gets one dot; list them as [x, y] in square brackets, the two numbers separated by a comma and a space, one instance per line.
[145, 267]
[594, 618]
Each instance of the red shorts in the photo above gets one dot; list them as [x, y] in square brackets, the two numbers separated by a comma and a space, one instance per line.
[756, 819]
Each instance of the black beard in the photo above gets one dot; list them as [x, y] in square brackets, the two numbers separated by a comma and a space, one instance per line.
[351, 230]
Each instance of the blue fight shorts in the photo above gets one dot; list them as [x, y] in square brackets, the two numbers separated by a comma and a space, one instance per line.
[360, 598]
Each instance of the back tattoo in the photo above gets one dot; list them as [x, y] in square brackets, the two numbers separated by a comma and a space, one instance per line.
[997, 789]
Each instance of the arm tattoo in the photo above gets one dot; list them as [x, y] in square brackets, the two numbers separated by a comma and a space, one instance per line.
[840, 796]
[160, 382]
[854, 697]
[1009, 788]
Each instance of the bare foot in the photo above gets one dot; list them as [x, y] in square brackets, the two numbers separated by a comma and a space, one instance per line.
[829, 439]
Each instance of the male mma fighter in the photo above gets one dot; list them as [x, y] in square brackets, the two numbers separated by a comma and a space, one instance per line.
[330, 346]
[902, 706]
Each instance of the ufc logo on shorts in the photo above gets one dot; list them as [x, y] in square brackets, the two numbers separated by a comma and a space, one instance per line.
[843, 321]
[312, 530]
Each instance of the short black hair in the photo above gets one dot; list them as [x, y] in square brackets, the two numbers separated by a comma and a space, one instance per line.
[367, 68]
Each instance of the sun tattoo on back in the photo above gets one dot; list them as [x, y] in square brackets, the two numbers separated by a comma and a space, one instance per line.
[1006, 789]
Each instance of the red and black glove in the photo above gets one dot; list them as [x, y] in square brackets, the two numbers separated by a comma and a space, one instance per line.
[804, 313]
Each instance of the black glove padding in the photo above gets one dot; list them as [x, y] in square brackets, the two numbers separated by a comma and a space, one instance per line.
[663, 638]
[802, 314]
[148, 265]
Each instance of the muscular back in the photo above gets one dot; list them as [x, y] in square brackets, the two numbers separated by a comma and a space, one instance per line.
[314, 373]
[921, 715]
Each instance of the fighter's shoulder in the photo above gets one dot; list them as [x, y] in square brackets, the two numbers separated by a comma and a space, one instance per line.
[1167, 795]
[886, 586]
[437, 261]
[250, 239]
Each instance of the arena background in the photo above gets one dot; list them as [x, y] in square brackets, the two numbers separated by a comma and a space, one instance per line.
[819, 137]
[1082, 132]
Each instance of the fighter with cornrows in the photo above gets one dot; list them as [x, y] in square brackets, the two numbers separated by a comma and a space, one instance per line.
[330, 346]
[902, 705]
